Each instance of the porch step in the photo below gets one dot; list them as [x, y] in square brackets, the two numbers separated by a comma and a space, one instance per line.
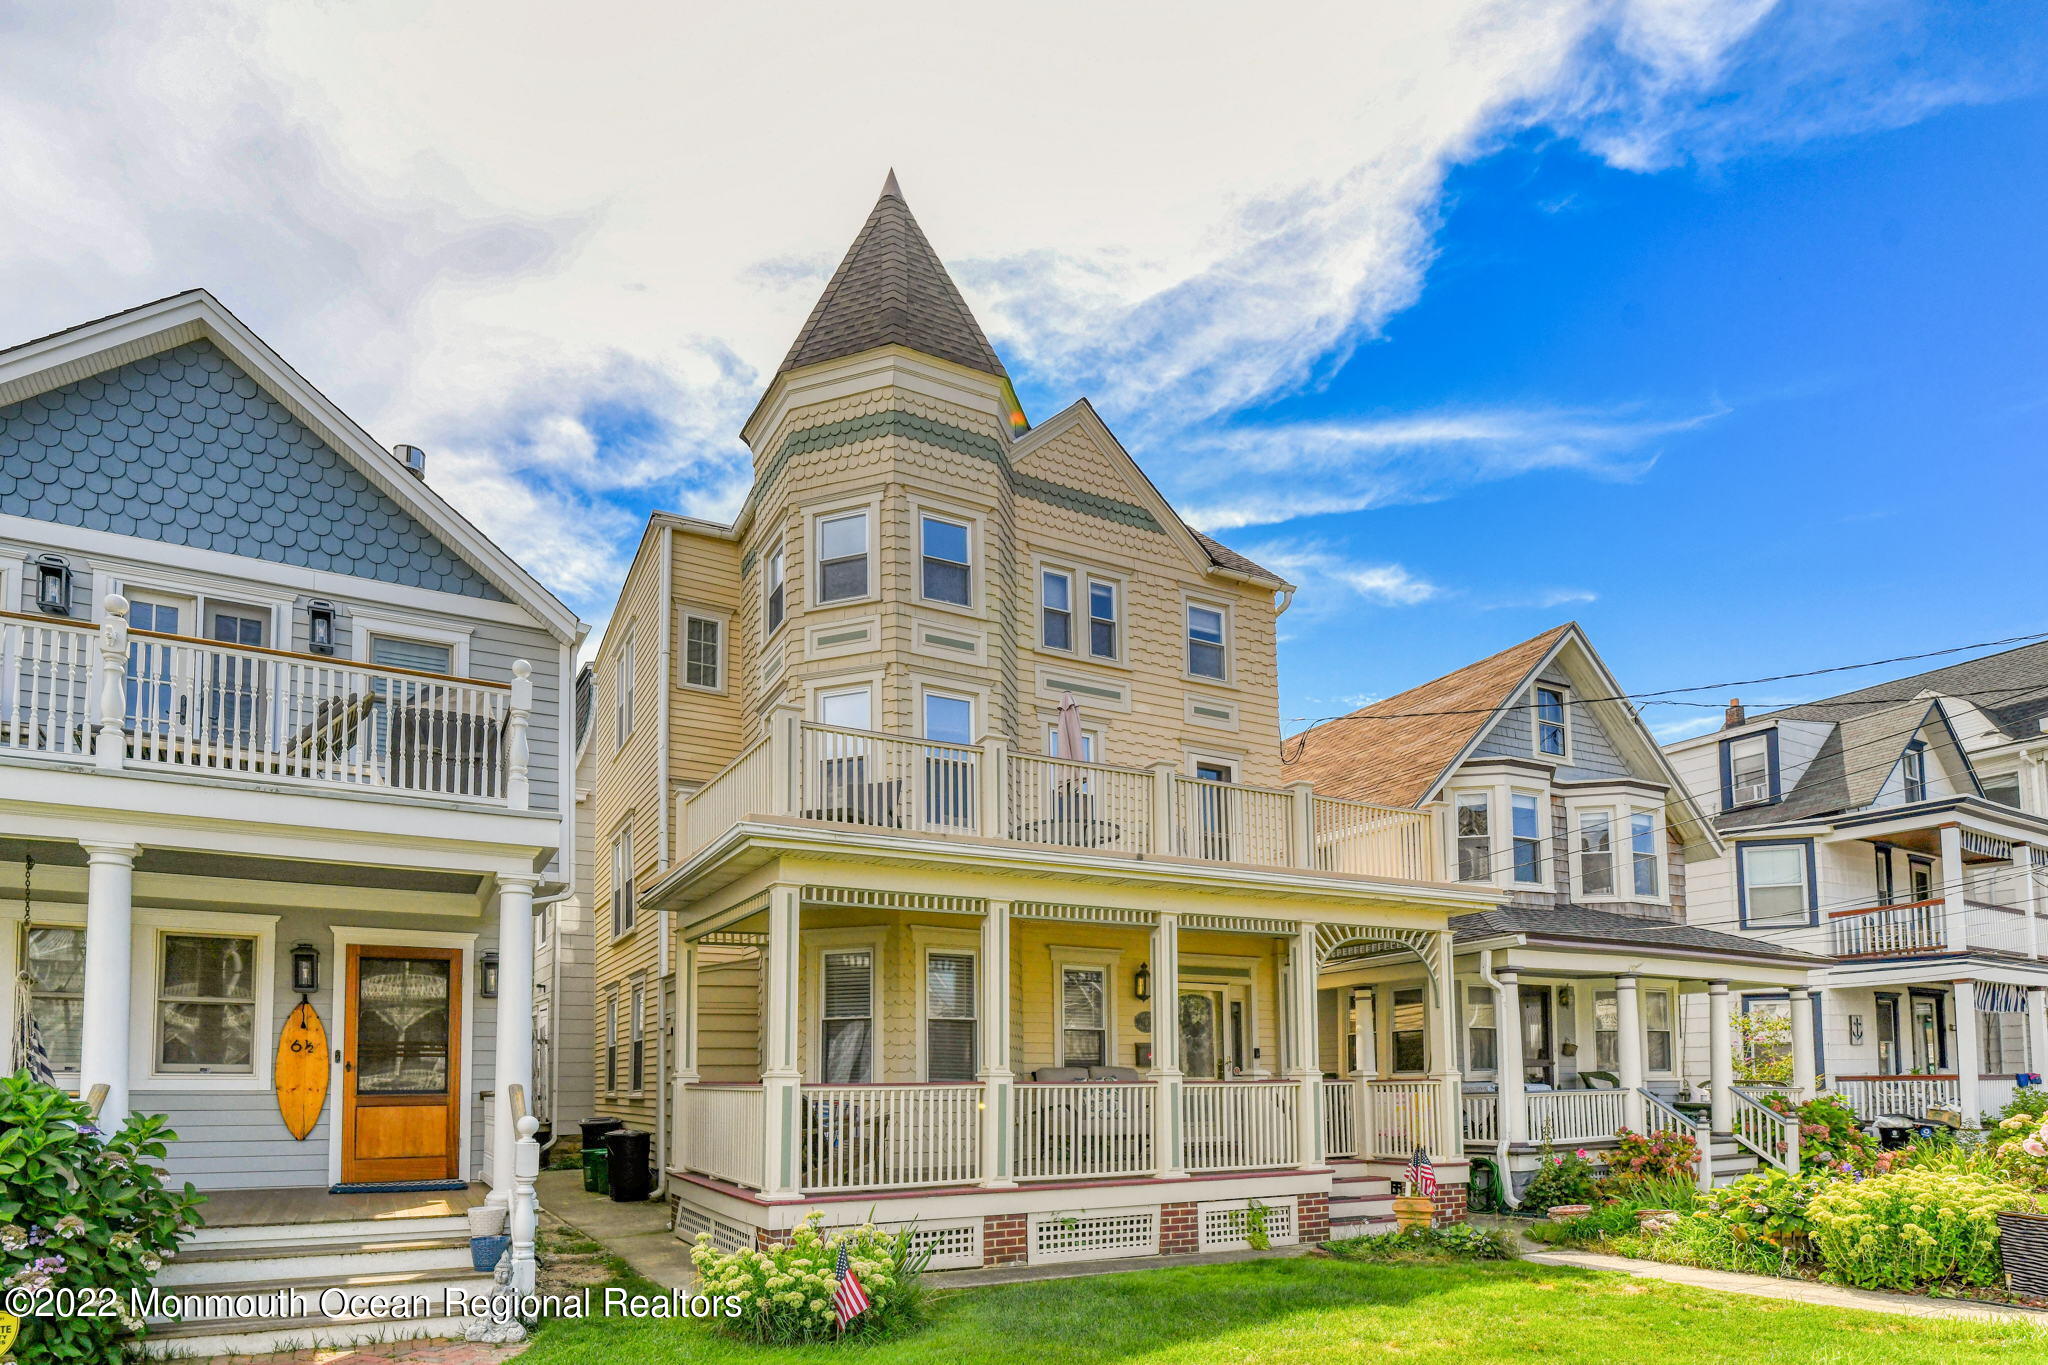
[269, 1236]
[206, 1336]
[1361, 1227]
[332, 1260]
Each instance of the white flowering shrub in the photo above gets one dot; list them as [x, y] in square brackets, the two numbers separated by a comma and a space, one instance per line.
[785, 1292]
[1913, 1228]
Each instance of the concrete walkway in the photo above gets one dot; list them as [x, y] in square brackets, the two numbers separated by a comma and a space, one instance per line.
[637, 1234]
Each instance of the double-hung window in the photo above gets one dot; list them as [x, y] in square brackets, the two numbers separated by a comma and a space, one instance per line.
[1659, 1036]
[842, 557]
[949, 1016]
[623, 693]
[1482, 1040]
[1102, 619]
[703, 652]
[56, 973]
[206, 1003]
[611, 1040]
[948, 572]
[1056, 609]
[1409, 1032]
[1596, 853]
[622, 881]
[636, 1057]
[1642, 852]
[1527, 812]
[1551, 737]
[1749, 770]
[1774, 883]
[1606, 1031]
[848, 1017]
[1915, 765]
[1475, 837]
[773, 599]
[1206, 656]
[1084, 1016]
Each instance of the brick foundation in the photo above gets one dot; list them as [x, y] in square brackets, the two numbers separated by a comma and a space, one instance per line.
[1312, 1218]
[1005, 1238]
[1180, 1230]
[1450, 1205]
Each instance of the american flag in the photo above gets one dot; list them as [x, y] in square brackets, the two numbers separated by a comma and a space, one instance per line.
[849, 1301]
[1421, 1175]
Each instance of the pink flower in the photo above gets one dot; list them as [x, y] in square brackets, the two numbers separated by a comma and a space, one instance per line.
[2034, 1147]
[1582, 1154]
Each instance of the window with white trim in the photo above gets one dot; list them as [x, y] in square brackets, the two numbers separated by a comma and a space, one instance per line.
[1749, 770]
[1774, 883]
[847, 1016]
[1056, 610]
[1084, 1016]
[1914, 765]
[1207, 657]
[1482, 1037]
[1660, 1037]
[622, 881]
[1991, 1049]
[774, 597]
[1409, 1031]
[611, 1040]
[206, 1003]
[636, 1057]
[1090, 743]
[1606, 1031]
[1526, 812]
[1596, 853]
[1103, 618]
[624, 689]
[703, 652]
[1553, 733]
[842, 556]
[947, 571]
[1642, 853]
[1475, 837]
[950, 1052]
[56, 971]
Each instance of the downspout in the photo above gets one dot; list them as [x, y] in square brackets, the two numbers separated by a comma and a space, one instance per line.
[665, 966]
[541, 903]
[1500, 1127]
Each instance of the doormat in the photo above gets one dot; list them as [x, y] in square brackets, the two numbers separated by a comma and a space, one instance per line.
[400, 1187]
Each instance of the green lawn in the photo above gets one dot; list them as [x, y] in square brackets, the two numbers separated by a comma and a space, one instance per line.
[1316, 1310]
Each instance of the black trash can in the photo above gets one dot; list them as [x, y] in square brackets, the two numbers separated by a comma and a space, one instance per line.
[630, 1154]
[595, 1129]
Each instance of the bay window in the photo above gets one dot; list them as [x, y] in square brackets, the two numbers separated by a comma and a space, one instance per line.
[1596, 853]
[1527, 814]
[1475, 837]
[842, 556]
[1642, 845]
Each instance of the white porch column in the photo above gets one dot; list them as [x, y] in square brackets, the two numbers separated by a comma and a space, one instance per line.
[109, 929]
[513, 1061]
[1803, 1064]
[1166, 1073]
[1969, 1064]
[1514, 1108]
[2030, 895]
[1720, 1058]
[685, 1074]
[2037, 1029]
[1308, 1105]
[1954, 917]
[1451, 1082]
[998, 1083]
[1364, 1066]
[781, 1078]
[1628, 1022]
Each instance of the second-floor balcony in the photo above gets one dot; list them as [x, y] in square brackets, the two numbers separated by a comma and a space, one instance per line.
[120, 698]
[874, 781]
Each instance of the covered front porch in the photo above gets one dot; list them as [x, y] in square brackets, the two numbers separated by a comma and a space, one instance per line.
[1954, 1038]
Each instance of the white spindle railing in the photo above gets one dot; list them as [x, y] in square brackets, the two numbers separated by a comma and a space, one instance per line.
[1064, 1131]
[1910, 1096]
[1340, 1118]
[1226, 822]
[1659, 1116]
[875, 1137]
[1575, 1115]
[740, 789]
[1772, 1136]
[1080, 805]
[47, 671]
[858, 777]
[1402, 1116]
[1889, 930]
[1238, 1125]
[1481, 1118]
[724, 1123]
[1366, 840]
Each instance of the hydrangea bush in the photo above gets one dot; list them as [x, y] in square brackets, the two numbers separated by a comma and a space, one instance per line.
[1829, 1133]
[785, 1292]
[1560, 1178]
[80, 1210]
[1665, 1154]
[1913, 1228]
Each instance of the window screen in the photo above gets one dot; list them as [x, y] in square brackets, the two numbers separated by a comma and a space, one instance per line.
[849, 1018]
[1084, 1017]
[949, 1017]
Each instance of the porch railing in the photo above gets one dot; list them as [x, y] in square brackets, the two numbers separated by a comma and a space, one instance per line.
[1889, 930]
[1340, 1118]
[1401, 1116]
[1368, 840]
[743, 787]
[858, 777]
[1079, 805]
[1575, 1115]
[724, 1123]
[1911, 1096]
[1773, 1136]
[867, 1137]
[1227, 823]
[1239, 1125]
[1481, 1118]
[1065, 1131]
[145, 699]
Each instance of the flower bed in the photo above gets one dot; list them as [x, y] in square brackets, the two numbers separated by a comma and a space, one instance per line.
[785, 1292]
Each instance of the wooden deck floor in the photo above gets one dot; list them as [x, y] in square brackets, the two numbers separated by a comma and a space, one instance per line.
[264, 1208]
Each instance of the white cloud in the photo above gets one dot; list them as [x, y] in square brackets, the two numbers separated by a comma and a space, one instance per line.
[1326, 576]
[563, 253]
[1543, 599]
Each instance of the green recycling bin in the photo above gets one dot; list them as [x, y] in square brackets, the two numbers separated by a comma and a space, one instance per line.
[597, 1170]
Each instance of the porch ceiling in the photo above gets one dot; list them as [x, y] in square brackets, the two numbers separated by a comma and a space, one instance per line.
[187, 863]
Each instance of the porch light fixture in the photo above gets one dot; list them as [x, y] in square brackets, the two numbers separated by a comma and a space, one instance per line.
[53, 584]
[320, 626]
[1142, 985]
[487, 979]
[305, 968]
[1564, 996]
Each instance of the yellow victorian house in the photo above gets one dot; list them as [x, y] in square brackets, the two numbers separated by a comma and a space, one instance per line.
[947, 869]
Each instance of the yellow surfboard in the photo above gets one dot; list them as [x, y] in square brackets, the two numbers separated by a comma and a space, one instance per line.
[302, 1070]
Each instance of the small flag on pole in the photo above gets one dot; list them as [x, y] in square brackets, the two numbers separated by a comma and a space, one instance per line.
[849, 1301]
[1421, 1175]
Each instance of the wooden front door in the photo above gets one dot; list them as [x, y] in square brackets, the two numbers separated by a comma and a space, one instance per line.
[401, 1072]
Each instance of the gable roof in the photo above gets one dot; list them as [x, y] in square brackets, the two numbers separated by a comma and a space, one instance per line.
[892, 290]
[94, 348]
[2010, 688]
[1855, 761]
[1396, 751]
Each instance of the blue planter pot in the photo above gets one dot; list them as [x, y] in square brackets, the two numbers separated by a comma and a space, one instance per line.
[486, 1252]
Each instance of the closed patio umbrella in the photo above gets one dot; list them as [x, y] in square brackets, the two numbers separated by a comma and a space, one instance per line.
[1072, 744]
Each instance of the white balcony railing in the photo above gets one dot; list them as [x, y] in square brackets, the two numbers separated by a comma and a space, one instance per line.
[1889, 930]
[1067, 1131]
[1340, 1118]
[1239, 1125]
[870, 780]
[1481, 1118]
[724, 1131]
[1401, 1116]
[1908, 1096]
[877, 1137]
[133, 698]
[1575, 1115]
[1773, 1136]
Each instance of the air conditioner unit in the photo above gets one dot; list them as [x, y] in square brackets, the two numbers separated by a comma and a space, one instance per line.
[1746, 792]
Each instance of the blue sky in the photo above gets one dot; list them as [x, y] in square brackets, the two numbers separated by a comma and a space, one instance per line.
[1715, 324]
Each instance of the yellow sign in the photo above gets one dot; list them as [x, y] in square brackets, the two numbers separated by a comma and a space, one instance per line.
[10, 1328]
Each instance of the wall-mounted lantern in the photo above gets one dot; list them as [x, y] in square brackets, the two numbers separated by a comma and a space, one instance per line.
[1142, 986]
[305, 968]
[320, 626]
[487, 981]
[53, 584]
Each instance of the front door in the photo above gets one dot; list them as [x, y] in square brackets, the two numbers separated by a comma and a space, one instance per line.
[1201, 1035]
[1539, 1059]
[401, 1083]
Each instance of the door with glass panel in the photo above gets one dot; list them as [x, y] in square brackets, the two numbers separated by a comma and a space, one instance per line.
[236, 703]
[1212, 815]
[949, 774]
[401, 1084]
[1202, 1047]
[155, 706]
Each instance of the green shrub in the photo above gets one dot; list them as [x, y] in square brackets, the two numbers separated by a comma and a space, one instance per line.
[1662, 1154]
[1700, 1239]
[2017, 1142]
[785, 1292]
[1615, 1216]
[1829, 1133]
[81, 1210]
[1459, 1241]
[1570, 1178]
[1913, 1228]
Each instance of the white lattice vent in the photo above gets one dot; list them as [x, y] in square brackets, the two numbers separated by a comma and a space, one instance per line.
[1094, 1236]
[954, 1246]
[1227, 1225]
[691, 1220]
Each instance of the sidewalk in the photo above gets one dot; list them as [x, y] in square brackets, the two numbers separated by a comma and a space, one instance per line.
[638, 1234]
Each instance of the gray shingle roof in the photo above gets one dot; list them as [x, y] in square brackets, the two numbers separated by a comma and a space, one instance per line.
[2011, 688]
[1601, 926]
[892, 289]
[1223, 557]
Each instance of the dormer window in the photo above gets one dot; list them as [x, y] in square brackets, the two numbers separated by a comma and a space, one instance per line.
[1552, 738]
[1749, 770]
[1914, 764]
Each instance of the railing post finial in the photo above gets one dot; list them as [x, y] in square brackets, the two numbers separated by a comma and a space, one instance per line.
[110, 743]
[518, 758]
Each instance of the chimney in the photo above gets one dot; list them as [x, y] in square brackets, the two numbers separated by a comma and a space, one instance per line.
[1735, 714]
[414, 459]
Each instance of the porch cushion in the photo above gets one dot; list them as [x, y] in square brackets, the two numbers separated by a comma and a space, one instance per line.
[1052, 1074]
[1112, 1073]
[1606, 1080]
